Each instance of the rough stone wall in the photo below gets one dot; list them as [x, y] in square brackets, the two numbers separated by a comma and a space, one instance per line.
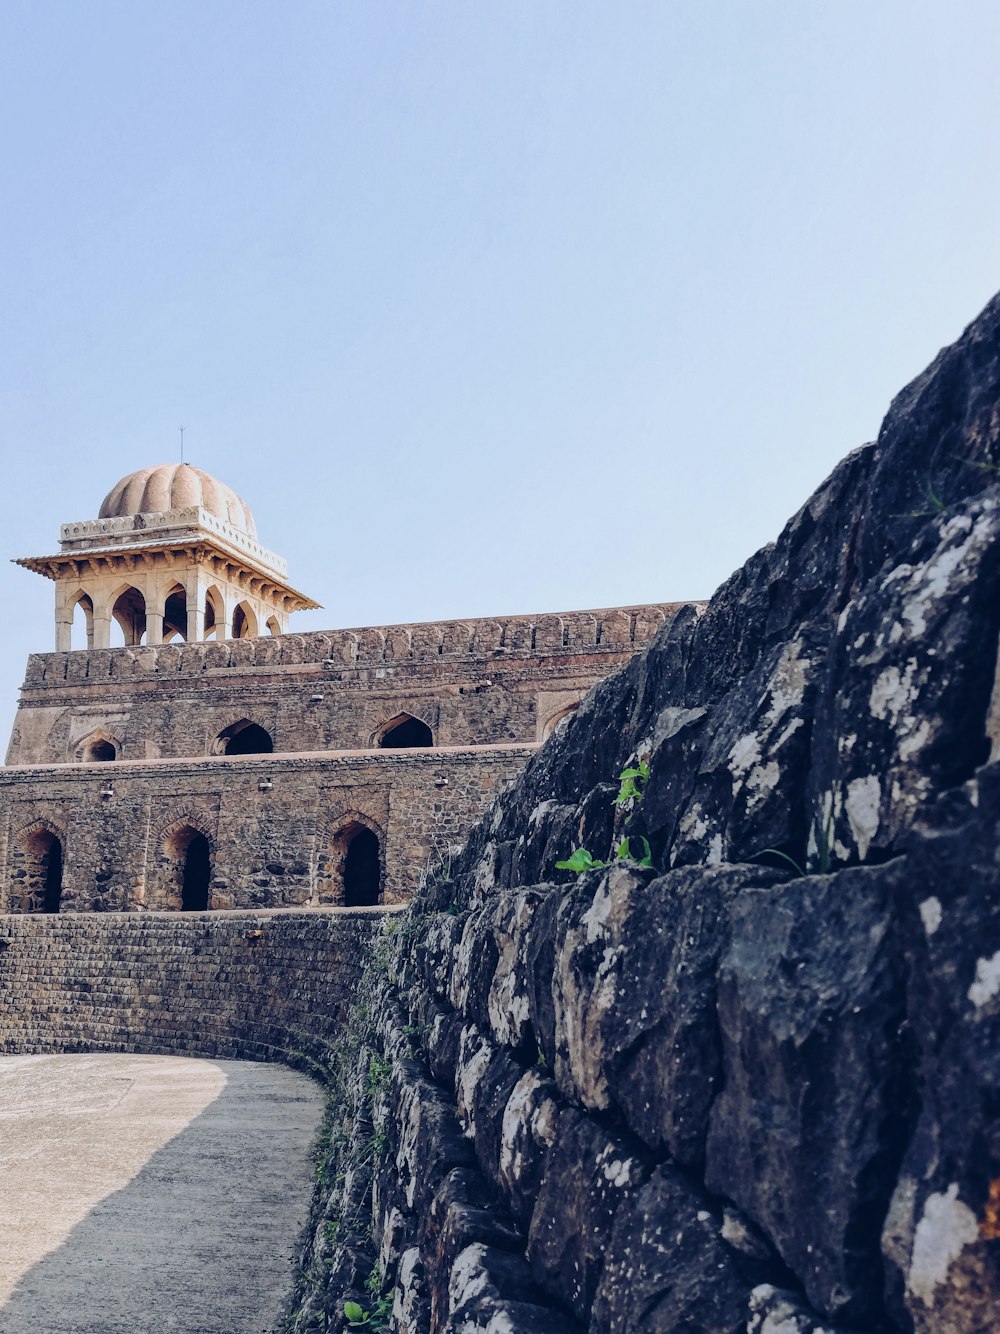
[472, 683]
[273, 986]
[269, 849]
[754, 1084]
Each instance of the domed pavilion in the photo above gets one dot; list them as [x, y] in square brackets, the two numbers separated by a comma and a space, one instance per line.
[172, 555]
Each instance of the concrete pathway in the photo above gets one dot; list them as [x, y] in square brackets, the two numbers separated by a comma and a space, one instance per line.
[150, 1193]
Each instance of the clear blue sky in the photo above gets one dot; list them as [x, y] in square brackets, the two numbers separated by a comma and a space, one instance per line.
[484, 307]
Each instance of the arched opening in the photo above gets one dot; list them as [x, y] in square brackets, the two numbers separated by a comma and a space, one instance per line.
[189, 856]
[175, 614]
[129, 614]
[40, 860]
[82, 632]
[215, 614]
[273, 628]
[358, 865]
[403, 733]
[243, 738]
[197, 875]
[244, 622]
[99, 748]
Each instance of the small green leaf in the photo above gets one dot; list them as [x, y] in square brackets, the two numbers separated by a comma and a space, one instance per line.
[354, 1312]
[580, 861]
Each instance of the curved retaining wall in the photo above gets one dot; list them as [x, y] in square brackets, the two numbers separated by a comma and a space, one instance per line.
[273, 986]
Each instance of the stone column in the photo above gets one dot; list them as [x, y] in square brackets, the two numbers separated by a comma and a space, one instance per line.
[154, 626]
[102, 631]
[64, 632]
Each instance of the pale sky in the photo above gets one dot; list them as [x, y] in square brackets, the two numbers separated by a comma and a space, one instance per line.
[483, 307]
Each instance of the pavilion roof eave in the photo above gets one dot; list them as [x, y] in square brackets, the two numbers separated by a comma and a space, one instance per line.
[50, 566]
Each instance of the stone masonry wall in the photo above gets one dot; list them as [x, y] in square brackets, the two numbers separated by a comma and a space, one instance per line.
[275, 847]
[471, 682]
[746, 1076]
[254, 986]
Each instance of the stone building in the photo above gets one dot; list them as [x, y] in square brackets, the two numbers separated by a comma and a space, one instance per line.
[213, 760]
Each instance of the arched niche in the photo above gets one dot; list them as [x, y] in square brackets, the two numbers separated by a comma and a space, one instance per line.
[404, 732]
[244, 737]
[99, 747]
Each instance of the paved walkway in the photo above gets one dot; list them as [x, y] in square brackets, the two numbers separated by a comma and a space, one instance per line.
[150, 1193]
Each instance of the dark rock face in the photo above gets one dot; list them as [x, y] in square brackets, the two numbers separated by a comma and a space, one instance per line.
[753, 1084]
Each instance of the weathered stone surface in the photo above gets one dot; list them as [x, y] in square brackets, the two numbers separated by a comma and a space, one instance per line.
[587, 1175]
[491, 1293]
[667, 1268]
[942, 1234]
[807, 1132]
[528, 1131]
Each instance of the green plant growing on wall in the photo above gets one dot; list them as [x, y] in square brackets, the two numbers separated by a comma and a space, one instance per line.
[377, 1318]
[632, 784]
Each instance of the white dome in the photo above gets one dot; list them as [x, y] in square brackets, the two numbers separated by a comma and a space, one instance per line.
[174, 486]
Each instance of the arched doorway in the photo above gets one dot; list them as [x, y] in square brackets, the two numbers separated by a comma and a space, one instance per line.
[197, 875]
[403, 733]
[41, 858]
[357, 866]
[186, 879]
[243, 738]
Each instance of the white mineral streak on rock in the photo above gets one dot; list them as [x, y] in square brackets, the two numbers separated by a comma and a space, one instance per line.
[474, 1057]
[987, 982]
[915, 741]
[541, 810]
[934, 577]
[507, 1005]
[530, 1114]
[468, 1278]
[693, 825]
[617, 1171]
[944, 1231]
[404, 1309]
[788, 684]
[893, 692]
[930, 914]
[762, 779]
[862, 806]
[744, 754]
[714, 857]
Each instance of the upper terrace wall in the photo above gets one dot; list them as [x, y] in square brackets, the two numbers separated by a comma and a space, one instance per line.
[472, 682]
[275, 825]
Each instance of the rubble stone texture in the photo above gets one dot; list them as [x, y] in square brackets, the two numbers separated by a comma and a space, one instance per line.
[755, 1085]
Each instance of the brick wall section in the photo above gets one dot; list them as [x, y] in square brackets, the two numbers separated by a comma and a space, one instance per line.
[201, 984]
[269, 849]
[472, 682]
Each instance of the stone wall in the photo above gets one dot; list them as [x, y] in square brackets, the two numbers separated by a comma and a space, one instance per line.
[472, 682]
[747, 1075]
[274, 986]
[274, 847]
